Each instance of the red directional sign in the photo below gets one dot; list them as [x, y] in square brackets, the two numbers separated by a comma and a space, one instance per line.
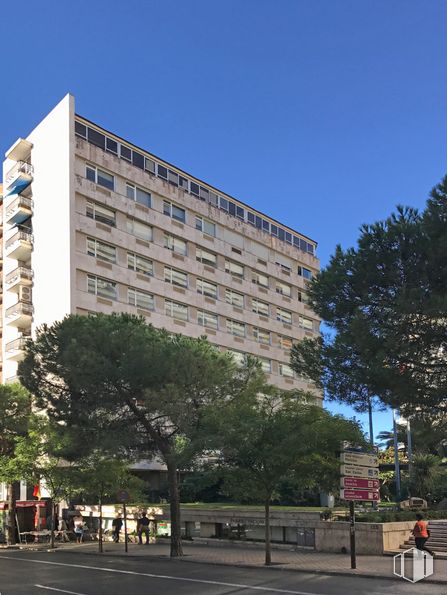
[356, 482]
[371, 495]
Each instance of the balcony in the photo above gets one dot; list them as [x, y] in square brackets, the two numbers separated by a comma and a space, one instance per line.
[15, 350]
[19, 277]
[19, 178]
[19, 314]
[19, 210]
[19, 246]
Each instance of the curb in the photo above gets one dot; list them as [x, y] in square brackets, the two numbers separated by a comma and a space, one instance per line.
[278, 567]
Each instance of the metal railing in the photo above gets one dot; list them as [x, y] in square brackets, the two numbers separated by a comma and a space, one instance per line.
[16, 345]
[19, 202]
[23, 236]
[21, 167]
[19, 309]
[17, 274]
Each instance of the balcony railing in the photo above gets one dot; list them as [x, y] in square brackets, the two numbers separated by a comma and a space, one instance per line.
[20, 209]
[20, 168]
[19, 309]
[18, 274]
[23, 236]
[16, 345]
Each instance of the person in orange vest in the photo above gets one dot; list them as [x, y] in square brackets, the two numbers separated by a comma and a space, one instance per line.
[421, 534]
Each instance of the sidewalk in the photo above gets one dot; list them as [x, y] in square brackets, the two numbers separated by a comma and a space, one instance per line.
[252, 556]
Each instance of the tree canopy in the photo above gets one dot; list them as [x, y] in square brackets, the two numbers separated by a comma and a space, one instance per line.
[386, 305]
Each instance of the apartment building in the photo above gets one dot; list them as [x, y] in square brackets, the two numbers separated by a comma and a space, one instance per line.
[93, 223]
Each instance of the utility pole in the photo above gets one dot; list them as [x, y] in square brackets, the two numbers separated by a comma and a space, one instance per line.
[409, 451]
[396, 457]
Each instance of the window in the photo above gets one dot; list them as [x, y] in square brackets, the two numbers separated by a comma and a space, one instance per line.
[238, 357]
[306, 323]
[176, 310]
[261, 336]
[206, 257]
[174, 211]
[101, 287]
[207, 319]
[139, 229]
[234, 298]
[175, 244]
[206, 288]
[233, 268]
[284, 267]
[101, 214]
[283, 315]
[260, 279]
[206, 226]
[236, 328]
[94, 174]
[286, 370]
[283, 288]
[149, 165]
[111, 146]
[261, 308]
[176, 277]
[266, 365]
[139, 264]
[140, 196]
[101, 250]
[285, 342]
[303, 272]
[140, 299]
[303, 297]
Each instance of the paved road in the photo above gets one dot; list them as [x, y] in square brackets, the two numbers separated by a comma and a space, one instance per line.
[26, 573]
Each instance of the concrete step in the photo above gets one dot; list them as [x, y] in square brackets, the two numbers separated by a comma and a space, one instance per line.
[439, 555]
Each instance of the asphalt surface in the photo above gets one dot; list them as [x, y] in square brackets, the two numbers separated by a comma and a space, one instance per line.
[42, 573]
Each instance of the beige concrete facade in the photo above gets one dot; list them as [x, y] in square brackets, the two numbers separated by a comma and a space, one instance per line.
[114, 249]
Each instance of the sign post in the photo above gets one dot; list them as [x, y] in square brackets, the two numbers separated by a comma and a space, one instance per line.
[359, 481]
[123, 497]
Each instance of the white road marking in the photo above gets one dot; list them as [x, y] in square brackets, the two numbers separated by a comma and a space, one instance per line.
[59, 590]
[161, 576]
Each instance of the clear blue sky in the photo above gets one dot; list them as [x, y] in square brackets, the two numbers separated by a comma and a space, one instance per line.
[323, 113]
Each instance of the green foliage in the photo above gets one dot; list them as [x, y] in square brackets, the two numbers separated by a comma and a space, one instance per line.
[425, 473]
[386, 302]
[15, 416]
[391, 517]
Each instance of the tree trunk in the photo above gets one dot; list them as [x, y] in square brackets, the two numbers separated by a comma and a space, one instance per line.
[11, 533]
[100, 527]
[53, 525]
[174, 504]
[268, 551]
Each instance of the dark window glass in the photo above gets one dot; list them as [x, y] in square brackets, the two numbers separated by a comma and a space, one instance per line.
[126, 153]
[288, 237]
[296, 242]
[231, 208]
[223, 202]
[96, 138]
[251, 217]
[240, 212]
[142, 197]
[138, 159]
[258, 222]
[194, 188]
[214, 200]
[265, 225]
[310, 248]
[281, 234]
[162, 172]
[90, 174]
[183, 182]
[80, 129]
[204, 194]
[111, 146]
[274, 230]
[303, 245]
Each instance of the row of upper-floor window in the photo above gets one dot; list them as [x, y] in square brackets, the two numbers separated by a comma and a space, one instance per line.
[205, 287]
[153, 167]
[210, 320]
[144, 231]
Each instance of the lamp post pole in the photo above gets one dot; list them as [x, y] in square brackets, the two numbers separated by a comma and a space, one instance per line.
[396, 457]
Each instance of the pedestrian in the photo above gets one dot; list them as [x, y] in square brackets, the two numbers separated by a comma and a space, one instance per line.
[117, 523]
[421, 534]
[143, 527]
[78, 523]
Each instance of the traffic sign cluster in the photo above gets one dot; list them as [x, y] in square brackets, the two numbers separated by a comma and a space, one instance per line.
[359, 475]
